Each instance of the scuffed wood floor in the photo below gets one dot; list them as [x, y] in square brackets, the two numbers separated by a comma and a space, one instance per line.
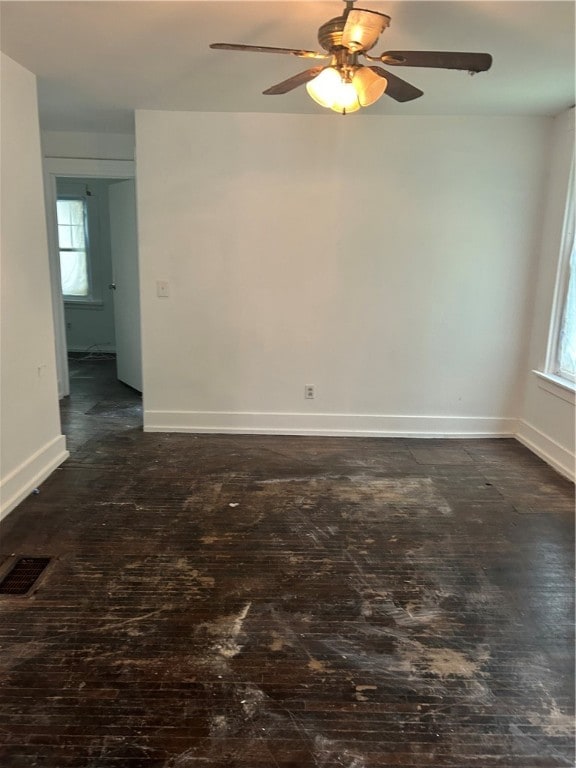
[256, 602]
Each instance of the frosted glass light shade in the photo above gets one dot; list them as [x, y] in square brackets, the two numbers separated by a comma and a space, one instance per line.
[363, 28]
[369, 86]
[329, 90]
[324, 86]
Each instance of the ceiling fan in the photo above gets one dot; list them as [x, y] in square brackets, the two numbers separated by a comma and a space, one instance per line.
[344, 84]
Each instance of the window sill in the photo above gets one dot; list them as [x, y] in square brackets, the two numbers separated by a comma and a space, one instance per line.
[84, 304]
[555, 385]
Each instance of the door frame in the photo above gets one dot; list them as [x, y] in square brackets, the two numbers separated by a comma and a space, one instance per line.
[65, 167]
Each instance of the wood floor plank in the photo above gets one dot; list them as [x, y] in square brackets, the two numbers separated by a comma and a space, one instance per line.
[254, 602]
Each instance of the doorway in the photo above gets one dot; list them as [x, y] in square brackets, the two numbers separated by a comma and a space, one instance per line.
[91, 217]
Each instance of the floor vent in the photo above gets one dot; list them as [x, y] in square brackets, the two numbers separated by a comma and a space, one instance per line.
[23, 575]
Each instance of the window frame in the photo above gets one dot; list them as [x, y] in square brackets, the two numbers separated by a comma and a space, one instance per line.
[552, 363]
[68, 297]
[93, 299]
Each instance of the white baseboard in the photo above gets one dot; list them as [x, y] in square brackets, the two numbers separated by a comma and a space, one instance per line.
[21, 481]
[547, 449]
[32, 472]
[327, 424]
[103, 348]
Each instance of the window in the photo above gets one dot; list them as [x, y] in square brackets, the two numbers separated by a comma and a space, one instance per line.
[73, 246]
[566, 362]
[561, 363]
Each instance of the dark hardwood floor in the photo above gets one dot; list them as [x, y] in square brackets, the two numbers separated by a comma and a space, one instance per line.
[256, 602]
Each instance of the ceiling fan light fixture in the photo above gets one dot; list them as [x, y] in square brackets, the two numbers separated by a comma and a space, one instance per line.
[333, 91]
[363, 29]
[369, 86]
[347, 100]
[345, 85]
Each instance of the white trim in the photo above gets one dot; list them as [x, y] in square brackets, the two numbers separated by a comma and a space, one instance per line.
[31, 473]
[562, 276]
[51, 195]
[327, 424]
[58, 167]
[547, 449]
[78, 167]
[557, 386]
[96, 304]
[105, 349]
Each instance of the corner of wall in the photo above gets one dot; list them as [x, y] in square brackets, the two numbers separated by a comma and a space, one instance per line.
[546, 423]
[20, 483]
[548, 449]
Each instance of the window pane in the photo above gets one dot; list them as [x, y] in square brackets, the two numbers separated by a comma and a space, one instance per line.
[64, 236]
[76, 210]
[567, 345]
[74, 272]
[77, 238]
[71, 226]
[63, 211]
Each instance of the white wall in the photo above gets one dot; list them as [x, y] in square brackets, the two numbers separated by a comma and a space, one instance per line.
[387, 261]
[547, 424]
[107, 146]
[93, 324]
[31, 441]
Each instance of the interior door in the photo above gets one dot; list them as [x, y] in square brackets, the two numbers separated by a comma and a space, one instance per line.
[124, 242]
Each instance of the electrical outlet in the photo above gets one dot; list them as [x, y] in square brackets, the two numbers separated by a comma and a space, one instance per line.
[309, 392]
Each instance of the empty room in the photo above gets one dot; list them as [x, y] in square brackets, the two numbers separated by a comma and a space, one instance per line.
[288, 361]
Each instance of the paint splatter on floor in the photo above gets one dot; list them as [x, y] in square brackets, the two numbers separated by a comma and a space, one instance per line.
[362, 605]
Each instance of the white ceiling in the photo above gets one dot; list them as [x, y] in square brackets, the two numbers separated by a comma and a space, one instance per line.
[97, 61]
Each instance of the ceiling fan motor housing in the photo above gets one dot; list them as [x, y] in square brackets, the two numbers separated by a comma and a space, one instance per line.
[330, 33]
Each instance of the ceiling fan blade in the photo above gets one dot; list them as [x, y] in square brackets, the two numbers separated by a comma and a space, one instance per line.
[269, 49]
[293, 82]
[398, 89]
[471, 62]
[362, 29]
